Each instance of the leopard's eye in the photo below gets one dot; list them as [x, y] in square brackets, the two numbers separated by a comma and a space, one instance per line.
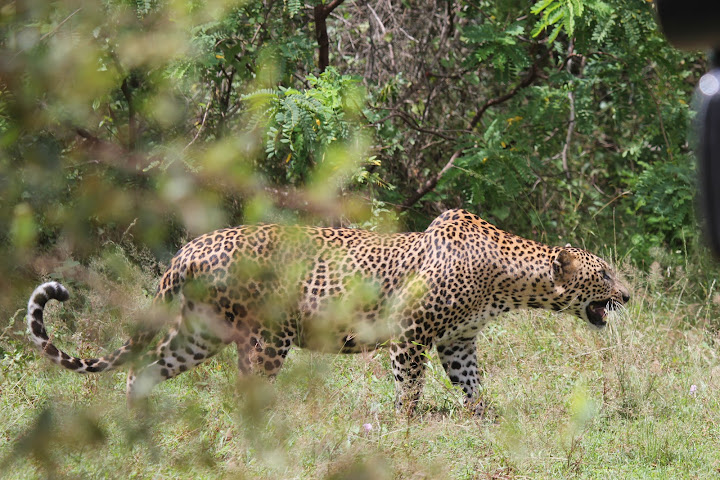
[606, 276]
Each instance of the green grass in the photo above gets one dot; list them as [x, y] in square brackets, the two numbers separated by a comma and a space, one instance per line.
[567, 401]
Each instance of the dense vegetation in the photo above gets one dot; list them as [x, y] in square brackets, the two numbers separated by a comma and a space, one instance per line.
[128, 127]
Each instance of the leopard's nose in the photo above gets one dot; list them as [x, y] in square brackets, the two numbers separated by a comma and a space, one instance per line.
[625, 297]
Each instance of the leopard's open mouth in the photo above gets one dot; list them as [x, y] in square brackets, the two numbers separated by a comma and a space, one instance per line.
[597, 311]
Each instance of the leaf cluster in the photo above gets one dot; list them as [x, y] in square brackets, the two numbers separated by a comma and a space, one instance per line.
[300, 125]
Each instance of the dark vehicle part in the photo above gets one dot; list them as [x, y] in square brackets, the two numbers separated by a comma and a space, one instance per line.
[695, 25]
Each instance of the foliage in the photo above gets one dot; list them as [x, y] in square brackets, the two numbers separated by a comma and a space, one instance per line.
[665, 199]
[561, 15]
[301, 125]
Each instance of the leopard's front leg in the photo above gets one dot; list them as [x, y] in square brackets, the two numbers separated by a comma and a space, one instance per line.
[459, 359]
[412, 316]
[408, 365]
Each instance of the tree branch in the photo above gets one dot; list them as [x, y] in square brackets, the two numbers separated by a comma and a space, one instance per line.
[321, 13]
[525, 82]
[568, 137]
[569, 65]
[132, 121]
[412, 123]
[432, 182]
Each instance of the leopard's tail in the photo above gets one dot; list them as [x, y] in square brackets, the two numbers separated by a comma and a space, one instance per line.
[38, 334]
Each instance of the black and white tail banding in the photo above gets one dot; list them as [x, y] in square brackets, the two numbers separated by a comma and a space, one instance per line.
[38, 334]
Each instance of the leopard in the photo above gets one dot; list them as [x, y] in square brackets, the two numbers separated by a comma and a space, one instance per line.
[268, 288]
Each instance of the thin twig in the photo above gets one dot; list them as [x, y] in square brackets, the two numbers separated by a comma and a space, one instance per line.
[127, 230]
[583, 354]
[568, 137]
[261, 27]
[525, 82]
[412, 123]
[432, 182]
[662, 124]
[51, 32]
[571, 120]
[202, 125]
[391, 54]
[59, 25]
[614, 199]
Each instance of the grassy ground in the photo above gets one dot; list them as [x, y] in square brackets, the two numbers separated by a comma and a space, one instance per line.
[636, 400]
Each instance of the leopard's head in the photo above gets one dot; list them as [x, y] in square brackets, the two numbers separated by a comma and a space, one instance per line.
[586, 285]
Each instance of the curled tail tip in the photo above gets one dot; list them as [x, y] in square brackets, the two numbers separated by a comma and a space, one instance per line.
[54, 290]
[36, 305]
[38, 334]
[45, 292]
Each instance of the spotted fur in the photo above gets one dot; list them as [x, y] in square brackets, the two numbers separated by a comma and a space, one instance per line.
[269, 287]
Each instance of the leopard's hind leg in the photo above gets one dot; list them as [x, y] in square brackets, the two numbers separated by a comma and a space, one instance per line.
[199, 334]
[263, 349]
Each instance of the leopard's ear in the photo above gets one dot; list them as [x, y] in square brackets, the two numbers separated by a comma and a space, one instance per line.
[564, 266]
